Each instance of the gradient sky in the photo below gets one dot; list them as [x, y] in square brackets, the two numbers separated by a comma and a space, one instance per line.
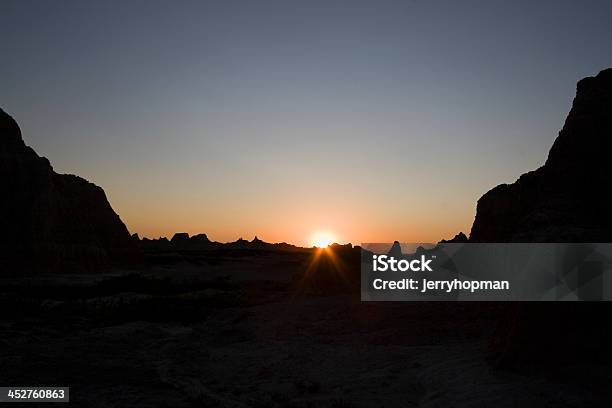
[373, 120]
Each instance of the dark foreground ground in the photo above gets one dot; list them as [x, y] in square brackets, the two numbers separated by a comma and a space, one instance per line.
[248, 329]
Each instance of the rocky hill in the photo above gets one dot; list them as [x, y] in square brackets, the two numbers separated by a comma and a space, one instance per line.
[52, 222]
[565, 200]
[568, 198]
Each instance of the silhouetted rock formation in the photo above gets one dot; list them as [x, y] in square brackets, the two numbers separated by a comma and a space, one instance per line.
[182, 241]
[567, 199]
[457, 239]
[53, 222]
[180, 237]
[340, 247]
[396, 250]
[240, 243]
[200, 239]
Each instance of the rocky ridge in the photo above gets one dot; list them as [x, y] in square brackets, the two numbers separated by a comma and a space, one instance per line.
[54, 222]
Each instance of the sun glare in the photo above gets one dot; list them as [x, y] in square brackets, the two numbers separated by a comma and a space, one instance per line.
[322, 239]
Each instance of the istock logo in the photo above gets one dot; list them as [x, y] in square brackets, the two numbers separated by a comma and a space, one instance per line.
[382, 263]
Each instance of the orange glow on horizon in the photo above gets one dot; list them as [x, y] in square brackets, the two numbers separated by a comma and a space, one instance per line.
[303, 222]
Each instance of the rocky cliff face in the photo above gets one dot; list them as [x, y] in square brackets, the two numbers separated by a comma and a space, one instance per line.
[52, 222]
[567, 199]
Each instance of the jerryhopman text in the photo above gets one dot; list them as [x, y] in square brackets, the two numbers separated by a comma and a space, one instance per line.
[382, 263]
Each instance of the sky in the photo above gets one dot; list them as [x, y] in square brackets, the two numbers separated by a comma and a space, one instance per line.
[372, 121]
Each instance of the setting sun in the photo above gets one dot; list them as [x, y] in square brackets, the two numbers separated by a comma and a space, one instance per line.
[322, 239]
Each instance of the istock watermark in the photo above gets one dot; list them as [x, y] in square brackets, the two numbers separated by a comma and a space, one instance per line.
[383, 263]
[491, 272]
